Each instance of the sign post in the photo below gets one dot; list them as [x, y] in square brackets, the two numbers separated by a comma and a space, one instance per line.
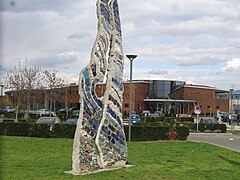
[197, 110]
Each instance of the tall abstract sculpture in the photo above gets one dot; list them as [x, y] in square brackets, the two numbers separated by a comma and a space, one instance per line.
[99, 140]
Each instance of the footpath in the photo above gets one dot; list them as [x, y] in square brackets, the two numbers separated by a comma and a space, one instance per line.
[225, 140]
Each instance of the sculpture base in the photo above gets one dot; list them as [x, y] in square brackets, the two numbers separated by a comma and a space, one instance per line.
[97, 171]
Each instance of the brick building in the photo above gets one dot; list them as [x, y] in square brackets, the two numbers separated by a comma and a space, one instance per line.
[170, 97]
[140, 91]
[42, 98]
[204, 96]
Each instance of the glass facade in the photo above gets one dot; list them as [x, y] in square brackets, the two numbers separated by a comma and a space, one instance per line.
[160, 89]
[235, 98]
[236, 101]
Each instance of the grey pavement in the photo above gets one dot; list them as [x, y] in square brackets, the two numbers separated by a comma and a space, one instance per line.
[225, 140]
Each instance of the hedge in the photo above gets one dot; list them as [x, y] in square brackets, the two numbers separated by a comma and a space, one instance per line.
[186, 119]
[138, 133]
[168, 119]
[37, 130]
[147, 133]
[212, 127]
[157, 119]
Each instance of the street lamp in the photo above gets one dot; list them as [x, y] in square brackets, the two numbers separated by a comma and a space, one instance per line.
[231, 108]
[2, 86]
[131, 58]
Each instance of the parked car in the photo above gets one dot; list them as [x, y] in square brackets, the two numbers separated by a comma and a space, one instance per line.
[75, 114]
[134, 119]
[183, 116]
[72, 121]
[208, 120]
[32, 111]
[160, 113]
[8, 109]
[48, 120]
[154, 115]
[146, 113]
[71, 109]
[224, 116]
[45, 112]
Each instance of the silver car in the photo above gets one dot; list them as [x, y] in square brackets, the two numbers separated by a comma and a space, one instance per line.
[48, 120]
[208, 120]
[72, 121]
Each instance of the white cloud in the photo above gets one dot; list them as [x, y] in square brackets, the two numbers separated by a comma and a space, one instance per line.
[233, 64]
[157, 72]
[187, 40]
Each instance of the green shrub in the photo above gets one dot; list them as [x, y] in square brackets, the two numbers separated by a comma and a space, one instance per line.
[155, 132]
[63, 131]
[170, 115]
[138, 132]
[182, 132]
[152, 119]
[1, 129]
[37, 130]
[14, 129]
[186, 119]
[32, 116]
[147, 133]
[40, 130]
[9, 115]
[169, 119]
[157, 119]
[202, 127]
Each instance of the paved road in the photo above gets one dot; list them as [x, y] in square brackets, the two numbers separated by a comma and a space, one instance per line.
[226, 140]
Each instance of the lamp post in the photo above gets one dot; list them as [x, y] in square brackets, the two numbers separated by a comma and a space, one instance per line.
[131, 58]
[1, 85]
[231, 108]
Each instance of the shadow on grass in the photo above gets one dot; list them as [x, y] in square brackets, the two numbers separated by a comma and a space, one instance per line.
[229, 160]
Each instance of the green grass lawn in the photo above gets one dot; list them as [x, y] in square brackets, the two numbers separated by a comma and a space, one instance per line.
[38, 158]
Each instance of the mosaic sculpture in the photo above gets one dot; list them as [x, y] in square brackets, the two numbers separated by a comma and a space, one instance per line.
[99, 141]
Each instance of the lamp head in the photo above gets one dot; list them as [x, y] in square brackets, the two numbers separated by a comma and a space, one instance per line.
[131, 57]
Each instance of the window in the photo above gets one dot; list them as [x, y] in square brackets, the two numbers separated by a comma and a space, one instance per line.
[126, 105]
[217, 107]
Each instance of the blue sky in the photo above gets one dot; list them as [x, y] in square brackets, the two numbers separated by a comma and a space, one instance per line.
[194, 41]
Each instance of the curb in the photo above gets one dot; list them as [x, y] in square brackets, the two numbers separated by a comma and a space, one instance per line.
[210, 134]
[214, 145]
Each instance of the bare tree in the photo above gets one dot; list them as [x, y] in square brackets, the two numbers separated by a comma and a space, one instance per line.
[53, 83]
[22, 81]
[32, 80]
[14, 80]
